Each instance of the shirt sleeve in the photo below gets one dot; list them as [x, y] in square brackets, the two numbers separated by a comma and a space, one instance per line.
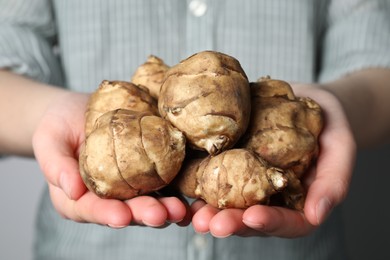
[357, 36]
[27, 38]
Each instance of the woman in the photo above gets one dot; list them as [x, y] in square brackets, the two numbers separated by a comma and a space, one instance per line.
[336, 50]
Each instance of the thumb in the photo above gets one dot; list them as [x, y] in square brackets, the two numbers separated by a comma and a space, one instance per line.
[56, 151]
[329, 181]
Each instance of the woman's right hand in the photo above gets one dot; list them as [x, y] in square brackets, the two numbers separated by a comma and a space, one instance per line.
[56, 144]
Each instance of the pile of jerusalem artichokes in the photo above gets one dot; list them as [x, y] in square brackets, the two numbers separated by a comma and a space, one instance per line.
[203, 129]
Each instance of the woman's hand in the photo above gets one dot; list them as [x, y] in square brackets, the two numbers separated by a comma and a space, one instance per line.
[327, 185]
[56, 144]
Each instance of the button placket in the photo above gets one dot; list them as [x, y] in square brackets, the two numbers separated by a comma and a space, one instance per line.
[199, 26]
[200, 241]
[200, 246]
[197, 8]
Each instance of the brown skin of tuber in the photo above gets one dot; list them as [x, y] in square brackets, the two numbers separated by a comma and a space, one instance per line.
[273, 88]
[113, 95]
[207, 96]
[129, 153]
[235, 178]
[294, 194]
[284, 129]
[151, 74]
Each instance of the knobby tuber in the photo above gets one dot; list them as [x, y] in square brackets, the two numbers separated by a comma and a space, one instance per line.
[112, 95]
[207, 96]
[283, 129]
[129, 153]
[235, 178]
[151, 74]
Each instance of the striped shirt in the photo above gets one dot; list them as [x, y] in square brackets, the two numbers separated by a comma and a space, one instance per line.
[77, 44]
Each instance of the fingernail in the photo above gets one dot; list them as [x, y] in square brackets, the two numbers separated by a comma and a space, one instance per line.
[152, 224]
[323, 209]
[223, 236]
[64, 184]
[257, 226]
[116, 226]
[173, 221]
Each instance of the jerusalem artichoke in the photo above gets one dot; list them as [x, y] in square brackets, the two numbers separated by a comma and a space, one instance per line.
[207, 96]
[113, 95]
[151, 74]
[284, 129]
[236, 178]
[129, 153]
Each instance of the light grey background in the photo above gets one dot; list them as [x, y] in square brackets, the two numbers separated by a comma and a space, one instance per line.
[366, 209]
[21, 186]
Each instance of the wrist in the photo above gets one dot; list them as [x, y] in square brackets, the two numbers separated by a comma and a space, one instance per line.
[22, 104]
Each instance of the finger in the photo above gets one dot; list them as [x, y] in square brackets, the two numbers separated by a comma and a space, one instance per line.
[191, 210]
[187, 218]
[197, 205]
[56, 156]
[63, 172]
[90, 208]
[147, 210]
[176, 209]
[277, 221]
[202, 217]
[228, 222]
[330, 180]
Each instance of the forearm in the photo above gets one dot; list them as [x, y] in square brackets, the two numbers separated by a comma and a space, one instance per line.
[22, 103]
[365, 96]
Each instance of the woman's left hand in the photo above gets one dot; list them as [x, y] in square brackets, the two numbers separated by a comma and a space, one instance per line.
[327, 184]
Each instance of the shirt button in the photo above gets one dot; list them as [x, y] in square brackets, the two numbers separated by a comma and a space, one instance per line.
[198, 7]
[200, 241]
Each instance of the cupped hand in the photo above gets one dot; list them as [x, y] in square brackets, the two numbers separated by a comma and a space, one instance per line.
[56, 144]
[327, 184]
